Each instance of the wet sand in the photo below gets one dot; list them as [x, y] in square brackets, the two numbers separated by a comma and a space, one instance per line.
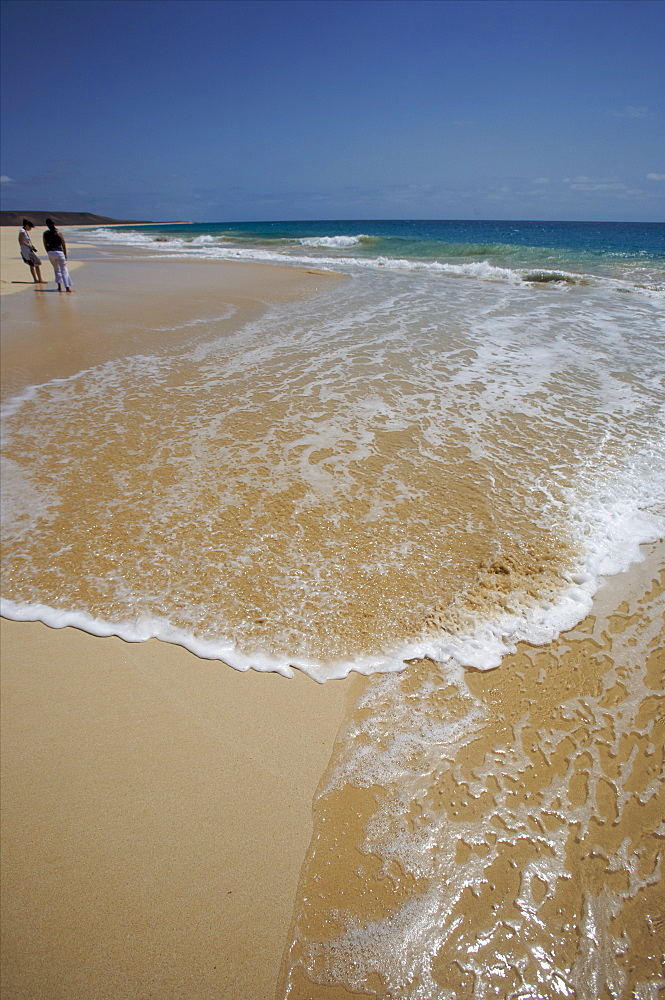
[543, 823]
[46, 334]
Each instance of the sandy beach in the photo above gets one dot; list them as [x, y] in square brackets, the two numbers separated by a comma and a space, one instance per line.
[174, 829]
[156, 812]
[156, 807]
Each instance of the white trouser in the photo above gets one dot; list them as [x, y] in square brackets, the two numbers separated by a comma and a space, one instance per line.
[59, 262]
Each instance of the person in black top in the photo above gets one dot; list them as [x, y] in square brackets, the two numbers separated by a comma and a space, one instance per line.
[56, 248]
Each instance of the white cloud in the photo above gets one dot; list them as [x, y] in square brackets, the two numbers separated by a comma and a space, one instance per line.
[631, 111]
[595, 184]
[7, 180]
[656, 177]
[610, 187]
[540, 180]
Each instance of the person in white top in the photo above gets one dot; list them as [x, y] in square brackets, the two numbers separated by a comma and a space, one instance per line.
[28, 252]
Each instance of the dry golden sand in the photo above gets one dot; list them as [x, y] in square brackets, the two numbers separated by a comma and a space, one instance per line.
[156, 812]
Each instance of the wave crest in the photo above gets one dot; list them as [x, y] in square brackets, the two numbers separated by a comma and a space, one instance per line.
[342, 242]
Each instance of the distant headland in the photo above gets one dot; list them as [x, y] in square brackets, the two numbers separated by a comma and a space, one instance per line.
[67, 219]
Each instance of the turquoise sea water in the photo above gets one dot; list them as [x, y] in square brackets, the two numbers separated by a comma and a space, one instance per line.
[631, 250]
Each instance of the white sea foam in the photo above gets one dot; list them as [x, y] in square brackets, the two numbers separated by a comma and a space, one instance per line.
[613, 531]
[209, 247]
[128, 238]
[611, 524]
[334, 242]
[400, 353]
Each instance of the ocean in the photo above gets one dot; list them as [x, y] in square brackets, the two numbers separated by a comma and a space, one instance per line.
[634, 251]
[424, 472]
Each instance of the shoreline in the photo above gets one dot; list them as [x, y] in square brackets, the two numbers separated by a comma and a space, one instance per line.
[127, 295]
[156, 806]
[157, 818]
[533, 845]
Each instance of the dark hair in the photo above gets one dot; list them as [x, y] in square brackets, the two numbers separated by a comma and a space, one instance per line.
[27, 222]
[51, 224]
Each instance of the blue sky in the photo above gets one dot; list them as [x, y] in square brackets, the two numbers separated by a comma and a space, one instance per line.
[231, 110]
